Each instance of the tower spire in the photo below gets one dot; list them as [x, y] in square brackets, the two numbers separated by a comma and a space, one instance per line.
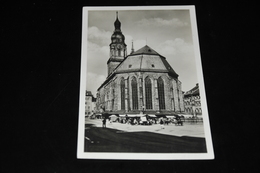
[132, 50]
[118, 48]
[117, 23]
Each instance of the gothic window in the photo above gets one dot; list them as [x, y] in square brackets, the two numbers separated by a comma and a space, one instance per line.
[112, 107]
[134, 93]
[172, 96]
[172, 102]
[148, 93]
[161, 93]
[122, 84]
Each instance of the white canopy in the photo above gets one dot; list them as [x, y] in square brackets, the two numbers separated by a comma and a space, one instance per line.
[171, 116]
[131, 115]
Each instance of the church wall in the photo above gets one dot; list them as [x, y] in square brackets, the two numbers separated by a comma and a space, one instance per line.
[180, 96]
[167, 91]
[110, 94]
[140, 91]
[151, 77]
[131, 76]
[175, 95]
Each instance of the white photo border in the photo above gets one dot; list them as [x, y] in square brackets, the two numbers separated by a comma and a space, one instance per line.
[142, 156]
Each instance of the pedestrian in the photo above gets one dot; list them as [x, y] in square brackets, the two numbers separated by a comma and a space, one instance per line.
[162, 124]
[104, 123]
[166, 121]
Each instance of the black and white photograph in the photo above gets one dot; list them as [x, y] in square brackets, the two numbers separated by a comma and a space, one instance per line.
[123, 86]
[142, 92]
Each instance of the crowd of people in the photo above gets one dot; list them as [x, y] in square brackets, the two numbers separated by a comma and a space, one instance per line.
[142, 120]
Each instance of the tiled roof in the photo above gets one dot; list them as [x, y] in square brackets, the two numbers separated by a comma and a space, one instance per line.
[145, 59]
[146, 50]
[193, 91]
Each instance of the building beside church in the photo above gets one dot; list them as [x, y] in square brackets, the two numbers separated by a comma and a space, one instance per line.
[192, 103]
[141, 81]
[90, 103]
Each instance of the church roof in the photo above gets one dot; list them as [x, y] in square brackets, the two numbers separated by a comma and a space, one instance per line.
[145, 50]
[194, 91]
[143, 60]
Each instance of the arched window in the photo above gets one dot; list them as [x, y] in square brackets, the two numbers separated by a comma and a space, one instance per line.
[134, 93]
[148, 93]
[172, 95]
[122, 84]
[161, 93]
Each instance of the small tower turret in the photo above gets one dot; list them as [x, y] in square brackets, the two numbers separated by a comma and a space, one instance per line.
[132, 50]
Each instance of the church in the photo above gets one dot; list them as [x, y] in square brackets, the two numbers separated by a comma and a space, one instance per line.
[142, 81]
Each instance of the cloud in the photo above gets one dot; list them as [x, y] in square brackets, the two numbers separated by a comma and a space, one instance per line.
[175, 22]
[175, 47]
[94, 81]
[136, 43]
[99, 36]
[180, 56]
[97, 57]
[128, 42]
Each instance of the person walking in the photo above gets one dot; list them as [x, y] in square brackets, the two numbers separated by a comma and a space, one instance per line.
[162, 124]
[104, 123]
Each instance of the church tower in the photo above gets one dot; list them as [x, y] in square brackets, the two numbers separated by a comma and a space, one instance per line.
[117, 47]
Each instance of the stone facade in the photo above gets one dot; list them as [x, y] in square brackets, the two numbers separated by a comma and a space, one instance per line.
[192, 103]
[90, 103]
[109, 96]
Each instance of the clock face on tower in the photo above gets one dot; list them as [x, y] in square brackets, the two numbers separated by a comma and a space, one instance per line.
[119, 46]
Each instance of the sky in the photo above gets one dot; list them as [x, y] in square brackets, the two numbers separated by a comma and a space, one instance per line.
[168, 32]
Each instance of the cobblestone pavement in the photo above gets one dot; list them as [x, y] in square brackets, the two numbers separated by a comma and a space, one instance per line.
[188, 129]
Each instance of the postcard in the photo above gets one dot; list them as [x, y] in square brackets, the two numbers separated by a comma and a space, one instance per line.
[142, 94]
